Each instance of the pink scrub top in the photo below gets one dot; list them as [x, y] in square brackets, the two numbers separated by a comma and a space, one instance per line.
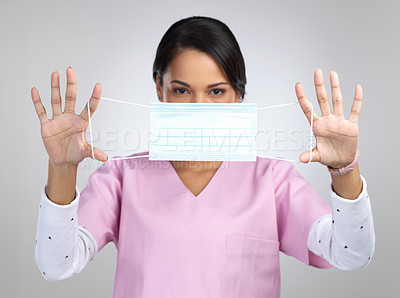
[225, 242]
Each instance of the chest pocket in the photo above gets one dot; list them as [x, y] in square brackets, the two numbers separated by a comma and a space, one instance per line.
[251, 267]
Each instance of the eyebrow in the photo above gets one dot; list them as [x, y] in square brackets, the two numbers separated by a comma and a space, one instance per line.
[209, 86]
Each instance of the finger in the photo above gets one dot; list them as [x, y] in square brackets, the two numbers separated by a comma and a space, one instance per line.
[40, 110]
[305, 156]
[70, 93]
[55, 94]
[336, 94]
[304, 103]
[98, 154]
[356, 108]
[93, 102]
[322, 96]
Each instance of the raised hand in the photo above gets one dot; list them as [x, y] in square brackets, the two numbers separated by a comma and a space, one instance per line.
[64, 135]
[336, 137]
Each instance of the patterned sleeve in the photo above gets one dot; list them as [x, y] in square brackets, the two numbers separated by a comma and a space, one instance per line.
[346, 237]
[63, 247]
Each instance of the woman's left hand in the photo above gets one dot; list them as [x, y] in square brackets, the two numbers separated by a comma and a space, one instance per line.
[336, 137]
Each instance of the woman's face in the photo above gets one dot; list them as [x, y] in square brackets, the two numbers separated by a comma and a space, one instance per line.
[195, 77]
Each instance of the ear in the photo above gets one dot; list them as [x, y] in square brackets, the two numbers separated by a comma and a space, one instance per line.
[159, 89]
[238, 96]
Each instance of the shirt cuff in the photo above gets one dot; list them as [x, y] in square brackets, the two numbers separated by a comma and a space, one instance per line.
[336, 199]
[55, 212]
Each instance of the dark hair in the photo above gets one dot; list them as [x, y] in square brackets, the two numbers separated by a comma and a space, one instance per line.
[206, 35]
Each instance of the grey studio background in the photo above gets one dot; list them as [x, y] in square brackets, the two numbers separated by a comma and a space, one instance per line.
[114, 43]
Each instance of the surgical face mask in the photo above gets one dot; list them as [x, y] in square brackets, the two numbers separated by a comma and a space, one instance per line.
[203, 131]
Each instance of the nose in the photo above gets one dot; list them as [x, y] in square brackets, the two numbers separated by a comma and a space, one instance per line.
[200, 98]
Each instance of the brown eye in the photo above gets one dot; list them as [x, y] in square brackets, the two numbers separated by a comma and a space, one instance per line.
[180, 90]
[217, 91]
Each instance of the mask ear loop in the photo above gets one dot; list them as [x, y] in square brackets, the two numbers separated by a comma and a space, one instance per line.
[311, 132]
[91, 132]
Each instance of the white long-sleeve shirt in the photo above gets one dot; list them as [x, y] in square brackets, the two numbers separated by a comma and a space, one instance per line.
[344, 238]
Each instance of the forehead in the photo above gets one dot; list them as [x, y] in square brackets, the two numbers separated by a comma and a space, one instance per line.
[193, 67]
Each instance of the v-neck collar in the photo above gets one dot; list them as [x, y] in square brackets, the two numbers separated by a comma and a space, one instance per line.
[193, 211]
[203, 193]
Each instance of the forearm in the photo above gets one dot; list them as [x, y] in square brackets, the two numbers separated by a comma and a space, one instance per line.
[348, 186]
[61, 183]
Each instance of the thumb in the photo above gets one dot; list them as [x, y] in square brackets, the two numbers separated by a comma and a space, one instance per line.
[305, 156]
[98, 154]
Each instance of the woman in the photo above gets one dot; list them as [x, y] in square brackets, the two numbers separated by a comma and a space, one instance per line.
[197, 229]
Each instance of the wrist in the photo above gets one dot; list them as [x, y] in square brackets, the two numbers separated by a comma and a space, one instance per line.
[348, 186]
[65, 167]
[61, 183]
[347, 169]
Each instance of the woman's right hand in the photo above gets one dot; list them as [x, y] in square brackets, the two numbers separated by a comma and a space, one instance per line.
[64, 136]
